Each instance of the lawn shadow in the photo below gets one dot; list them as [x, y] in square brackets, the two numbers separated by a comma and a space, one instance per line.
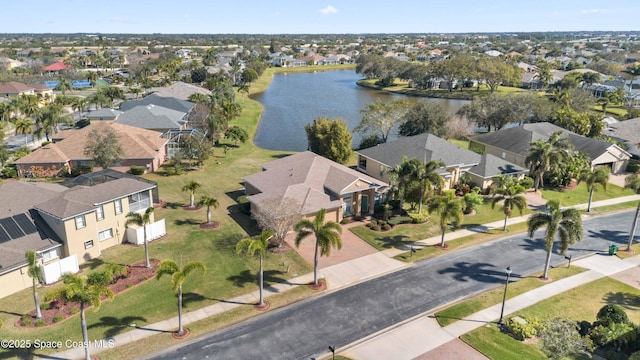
[173, 205]
[464, 271]
[191, 297]
[116, 325]
[478, 228]
[234, 195]
[10, 313]
[189, 221]
[280, 156]
[93, 264]
[390, 242]
[626, 300]
[245, 221]
[246, 276]
[434, 316]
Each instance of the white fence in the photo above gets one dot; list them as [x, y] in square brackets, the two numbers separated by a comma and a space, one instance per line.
[135, 234]
[53, 271]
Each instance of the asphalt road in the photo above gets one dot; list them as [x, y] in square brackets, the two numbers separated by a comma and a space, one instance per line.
[306, 329]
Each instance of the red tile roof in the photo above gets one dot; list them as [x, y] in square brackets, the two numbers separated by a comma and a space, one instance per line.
[56, 66]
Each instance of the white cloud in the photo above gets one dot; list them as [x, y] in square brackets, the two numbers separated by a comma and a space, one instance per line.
[593, 11]
[328, 10]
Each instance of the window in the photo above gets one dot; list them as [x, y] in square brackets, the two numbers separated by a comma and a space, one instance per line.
[88, 244]
[49, 254]
[362, 163]
[139, 201]
[100, 213]
[80, 222]
[118, 205]
[347, 209]
[106, 234]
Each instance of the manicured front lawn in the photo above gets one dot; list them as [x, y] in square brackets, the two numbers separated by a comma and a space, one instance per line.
[581, 303]
[580, 195]
[493, 297]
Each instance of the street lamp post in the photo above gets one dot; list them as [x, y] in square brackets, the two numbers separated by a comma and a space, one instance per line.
[504, 295]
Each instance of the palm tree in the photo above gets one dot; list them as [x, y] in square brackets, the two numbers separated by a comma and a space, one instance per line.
[142, 220]
[208, 202]
[259, 245]
[35, 273]
[399, 178]
[567, 223]
[427, 176]
[170, 267]
[512, 197]
[86, 292]
[327, 235]
[191, 187]
[633, 71]
[243, 89]
[633, 182]
[593, 178]
[24, 127]
[450, 211]
[589, 78]
[543, 155]
[608, 98]
[64, 85]
[92, 77]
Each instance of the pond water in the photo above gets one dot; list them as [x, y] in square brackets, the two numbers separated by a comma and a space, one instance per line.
[293, 100]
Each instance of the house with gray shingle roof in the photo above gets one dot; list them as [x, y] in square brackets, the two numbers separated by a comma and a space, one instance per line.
[627, 131]
[159, 101]
[180, 90]
[375, 161]
[513, 144]
[314, 183]
[152, 117]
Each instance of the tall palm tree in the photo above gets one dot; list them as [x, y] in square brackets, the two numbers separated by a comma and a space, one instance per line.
[633, 71]
[170, 267]
[543, 155]
[450, 211]
[35, 273]
[327, 235]
[593, 178]
[633, 182]
[608, 98]
[64, 85]
[85, 292]
[399, 178]
[209, 202]
[243, 89]
[566, 223]
[24, 127]
[191, 187]
[512, 198]
[256, 245]
[427, 176]
[142, 220]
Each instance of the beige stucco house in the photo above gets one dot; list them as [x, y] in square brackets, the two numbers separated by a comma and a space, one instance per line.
[313, 183]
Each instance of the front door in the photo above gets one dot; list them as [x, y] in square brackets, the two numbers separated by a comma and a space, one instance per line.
[364, 205]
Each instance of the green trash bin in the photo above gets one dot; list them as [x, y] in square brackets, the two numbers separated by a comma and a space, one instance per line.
[613, 249]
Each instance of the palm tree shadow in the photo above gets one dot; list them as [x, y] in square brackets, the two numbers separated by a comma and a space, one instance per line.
[619, 237]
[246, 276]
[116, 325]
[390, 242]
[626, 300]
[482, 272]
[172, 205]
[189, 221]
[532, 244]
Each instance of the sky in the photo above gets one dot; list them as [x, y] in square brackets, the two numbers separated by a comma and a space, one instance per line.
[316, 17]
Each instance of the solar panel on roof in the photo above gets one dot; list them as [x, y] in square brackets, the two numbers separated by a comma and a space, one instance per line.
[25, 223]
[11, 228]
[3, 235]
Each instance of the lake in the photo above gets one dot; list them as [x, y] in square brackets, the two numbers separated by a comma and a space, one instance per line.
[293, 100]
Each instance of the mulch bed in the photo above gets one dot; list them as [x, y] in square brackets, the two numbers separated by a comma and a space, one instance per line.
[209, 225]
[60, 310]
[191, 208]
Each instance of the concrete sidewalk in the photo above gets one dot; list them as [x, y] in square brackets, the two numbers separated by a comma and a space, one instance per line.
[342, 275]
[423, 334]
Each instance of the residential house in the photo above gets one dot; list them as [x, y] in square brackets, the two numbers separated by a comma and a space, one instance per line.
[9, 64]
[104, 114]
[627, 131]
[513, 144]
[180, 90]
[481, 169]
[160, 101]
[141, 147]
[56, 68]
[13, 88]
[65, 226]
[153, 117]
[314, 183]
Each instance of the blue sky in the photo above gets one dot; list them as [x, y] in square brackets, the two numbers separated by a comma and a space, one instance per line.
[316, 17]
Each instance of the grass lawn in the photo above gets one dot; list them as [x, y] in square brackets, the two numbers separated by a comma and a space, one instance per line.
[580, 195]
[591, 297]
[401, 87]
[228, 274]
[462, 143]
[493, 297]
[402, 234]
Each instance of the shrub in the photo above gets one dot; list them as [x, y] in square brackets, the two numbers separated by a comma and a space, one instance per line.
[245, 205]
[82, 123]
[633, 167]
[144, 278]
[585, 327]
[345, 221]
[527, 182]
[137, 170]
[418, 218]
[45, 143]
[395, 204]
[357, 218]
[9, 172]
[40, 323]
[74, 311]
[57, 319]
[472, 200]
[25, 320]
[635, 356]
[386, 227]
[44, 306]
[524, 331]
[612, 314]
[81, 169]
[375, 227]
